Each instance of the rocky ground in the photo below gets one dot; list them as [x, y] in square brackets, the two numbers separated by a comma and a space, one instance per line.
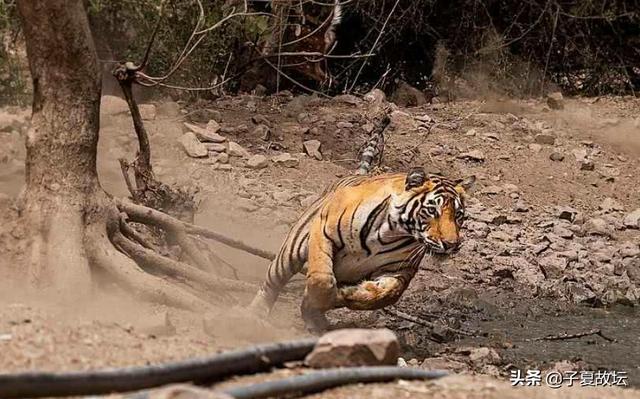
[552, 245]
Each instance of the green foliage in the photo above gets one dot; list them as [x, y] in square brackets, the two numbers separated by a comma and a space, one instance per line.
[14, 87]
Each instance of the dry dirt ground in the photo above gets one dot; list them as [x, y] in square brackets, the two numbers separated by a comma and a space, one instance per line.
[550, 245]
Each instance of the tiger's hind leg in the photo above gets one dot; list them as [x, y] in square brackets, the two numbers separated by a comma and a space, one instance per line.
[373, 294]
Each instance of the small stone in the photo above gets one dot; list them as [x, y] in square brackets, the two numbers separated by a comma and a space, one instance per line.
[520, 206]
[470, 133]
[566, 213]
[286, 160]
[632, 220]
[610, 205]
[474, 155]
[355, 347]
[223, 158]
[344, 125]
[216, 147]
[261, 120]
[263, 132]
[555, 101]
[597, 226]
[587, 165]
[236, 150]
[257, 161]
[312, 148]
[406, 95]
[193, 147]
[205, 134]
[213, 126]
[545, 139]
[535, 147]
[347, 99]
[259, 90]
[562, 232]
[580, 294]
[552, 266]
[556, 156]
[184, 391]
[147, 112]
[375, 96]
[483, 356]
[580, 154]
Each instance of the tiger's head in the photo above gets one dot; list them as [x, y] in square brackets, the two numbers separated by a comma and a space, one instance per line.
[432, 209]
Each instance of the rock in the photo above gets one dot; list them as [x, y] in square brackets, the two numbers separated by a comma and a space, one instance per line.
[259, 90]
[147, 112]
[556, 156]
[261, 120]
[375, 96]
[629, 250]
[344, 125]
[552, 266]
[535, 147]
[223, 158]
[597, 226]
[312, 148]
[286, 160]
[406, 95]
[355, 347]
[213, 126]
[236, 150]
[193, 147]
[112, 105]
[555, 101]
[632, 220]
[263, 132]
[347, 99]
[545, 139]
[562, 232]
[474, 155]
[184, 391]
[205, 134]
[258, 161]
[610, 205]
[580, 294]
[521, 206]
[587, 165]
[580, 154]
[156, 324]
[566, 213]
[216, 147]
[483, 356]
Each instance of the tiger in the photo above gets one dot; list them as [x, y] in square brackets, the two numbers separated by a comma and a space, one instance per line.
[361, 242]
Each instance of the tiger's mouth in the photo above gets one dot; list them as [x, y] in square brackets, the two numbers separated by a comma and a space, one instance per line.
[439, 247]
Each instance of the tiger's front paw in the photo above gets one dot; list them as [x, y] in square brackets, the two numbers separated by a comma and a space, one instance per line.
[321, 290]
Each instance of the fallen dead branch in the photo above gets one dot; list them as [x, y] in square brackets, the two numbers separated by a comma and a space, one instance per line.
[565, 336]
[414, 319]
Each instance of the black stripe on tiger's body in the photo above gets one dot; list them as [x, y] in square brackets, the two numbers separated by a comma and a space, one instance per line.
[362, 241]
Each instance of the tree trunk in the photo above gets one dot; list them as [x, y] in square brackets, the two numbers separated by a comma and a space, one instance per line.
[62, 185]
[74, 228]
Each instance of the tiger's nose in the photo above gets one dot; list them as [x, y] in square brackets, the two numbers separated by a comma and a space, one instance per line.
[451, 246]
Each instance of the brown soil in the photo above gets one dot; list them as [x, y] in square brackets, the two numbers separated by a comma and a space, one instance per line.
[469, 291]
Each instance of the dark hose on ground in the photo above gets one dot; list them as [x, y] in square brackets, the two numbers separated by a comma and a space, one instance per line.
[208, 369]
[317, 381]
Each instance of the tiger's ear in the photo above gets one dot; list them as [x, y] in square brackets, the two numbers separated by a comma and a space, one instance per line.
[415, 178]
[466, 184]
